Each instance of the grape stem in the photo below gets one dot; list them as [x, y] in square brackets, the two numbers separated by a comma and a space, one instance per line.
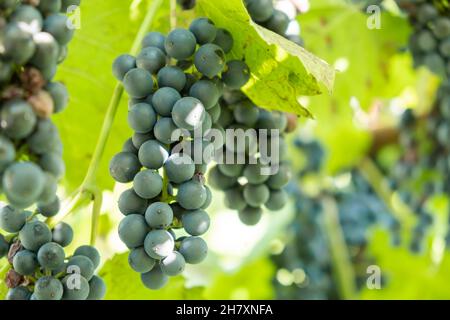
[173, 14]
[342, 268]
[376, 179]
[88, 191]
[96, 210]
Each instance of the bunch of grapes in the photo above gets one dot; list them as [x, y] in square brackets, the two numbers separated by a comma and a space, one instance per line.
[255, 181]
[305, 266]
[430, 40]
[40, 269]
[418, 174]
[173, 110]
[258, 180]
[33, 41]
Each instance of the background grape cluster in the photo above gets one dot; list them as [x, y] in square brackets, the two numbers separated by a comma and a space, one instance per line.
[429, 43]
[305, 267]
[169, 193]
[33, 41]
[424, 138]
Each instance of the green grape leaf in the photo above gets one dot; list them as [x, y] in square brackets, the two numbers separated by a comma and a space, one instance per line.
[87, 74]
[407, 276]
[124, 283]
[281, 71]
[244, 284]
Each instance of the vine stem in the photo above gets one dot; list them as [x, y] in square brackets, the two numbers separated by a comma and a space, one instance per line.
[342, 267]
[96, 210]
[173, 14]
[376, 179]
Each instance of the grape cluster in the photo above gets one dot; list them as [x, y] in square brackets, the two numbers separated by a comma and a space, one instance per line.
[248, 186]
[418, 174]
[33, 41]
[40, 269]
[305, 269]
[172, 110]
[430, 41]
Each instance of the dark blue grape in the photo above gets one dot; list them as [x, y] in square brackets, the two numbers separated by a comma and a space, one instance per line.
[90, 252]
[209, 60]
[206, 91]
[124, 166]
[154, 39]
[154, 279]
[138, 83]
[11, 219]
[18, 293]
[179, 168]
[151, 59]
[159, 244]
[97, 288]
[131, 203]
[193, 249]
[18, 119]
[188, 113]
[236, 74]
[75, 289]
[164, 130]
[195, 222]
[172, 77]
[250, 216]
[180, 44]
[84, 264]
[58, 26]
[122, 65]
[224, 39]
[132, 230]
[204, 30]
[141, 117]
[51, 256]
[147, 184]
[140, 261]
[25, 262]
[173, 264]
[48, 288]
[62, 234]
[260, 10]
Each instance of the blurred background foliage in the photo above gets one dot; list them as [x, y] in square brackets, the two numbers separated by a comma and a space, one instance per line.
[374, 84]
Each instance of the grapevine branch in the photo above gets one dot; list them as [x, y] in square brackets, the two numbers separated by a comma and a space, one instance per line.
[342, 268]
[96, 210]
[173, 14]
[376, 179]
